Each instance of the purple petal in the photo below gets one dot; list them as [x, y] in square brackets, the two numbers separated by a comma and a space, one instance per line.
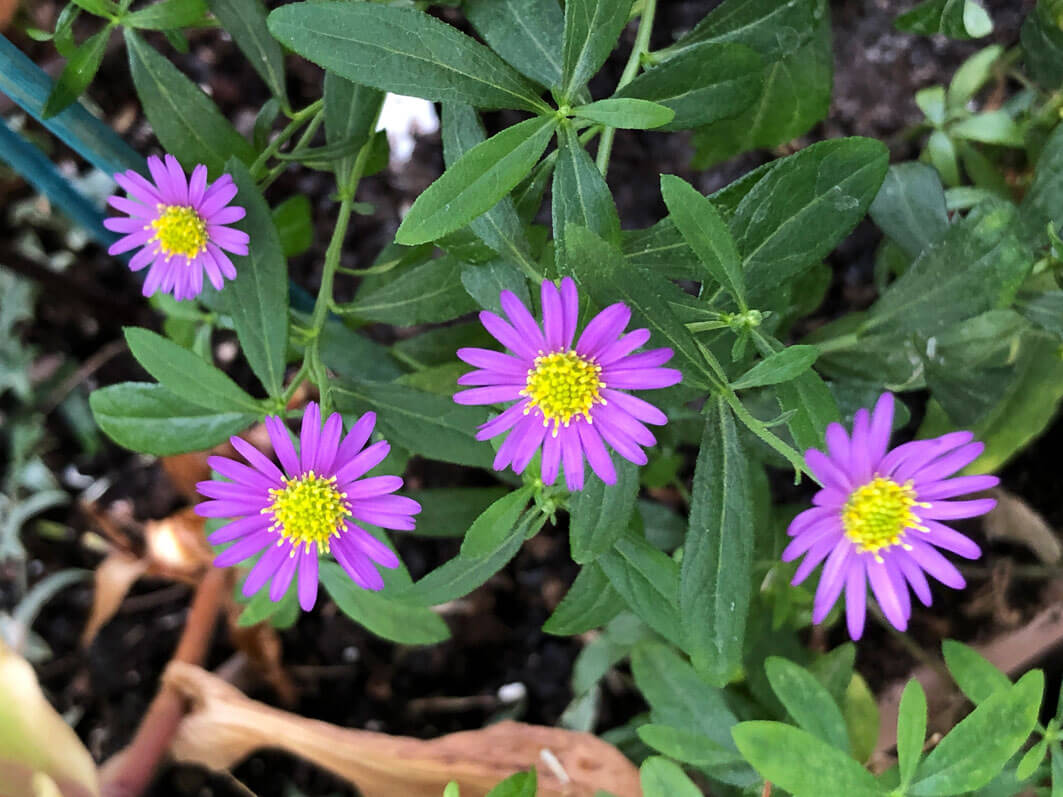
[483, 377]
[508, 336]
[597, 456]
[570, 309]
[603, 329]
[240, 528]
[495, 394]
[644, 379]
[831, 581]
[553, 316]
[141, 259]
[161, 179]
[282, 444]
[137, 187]
[308, 578]
[618, 349]
[373, 486]
[503, 422]
[357, 537]
[228, 508]
[309, 436]
[247, 547]
[952, 510]
[856, 599]
[124, 224]
[572, 457]
[551, 462]
[635, 407]
[838, 445]
[831, 497]
[951, 540]
[218, 196]
[228, 215]
[816, 554]
[357, 565]
[356, 438]
[878, 438]
[950, 463]
[386, 520]
[513, 442]
[644, 359]
[197, 186]
[961, 485]
[905, 459]
[177, 179]
[936, 565]
[914, 576]
[362, 463]
[816, 533]
[826, 471]
[529, 444]
[886, 595]
[229, 491]
[131, 241]
[494, 361]
[522, 320]
[618, 439]
[859, 453]
[258, 460]
[900, 586]
[265, 567]
[282, 578]
[328, 444]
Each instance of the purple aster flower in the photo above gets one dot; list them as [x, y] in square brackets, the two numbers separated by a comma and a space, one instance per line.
[179, 226]
[310, 508]
[569, 398]
[877, 518]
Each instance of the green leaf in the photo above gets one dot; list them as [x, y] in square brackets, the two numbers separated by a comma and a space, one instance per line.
[433, 426]
[579, 196]
[600, 512]
[1042, 45]
[245, 21]
[795, 84]
[187, 375]
[702, 84]
[781, 366]
[797, 761]
[449, 511]
[976, 677]
[690, 747]
[526, 33]
[626, 113]
[426, 293]
[714, 582]
[989, 127]
[972, 75]
[706, 233]
[910, 207]
[647, 579]
[591, 30]
[1044, 310]
[660, 777]
[101, 8]
[813, 407]
[150, 419]
[186, 121]
[523, 784]
[800, 210]
[942, 153]
[486, 281]
[1043, 202]
[168, 15]
[294, 224]
[911, 730]
[462, 574]
[678, 697]
[380, 613]
[601, 268]
[976, 749]
[807, 701]
[1032, 759]
[474, 184]
[403, 51]
[759, 24]
[262, 607]
[978, 265]
[957, 19]
[492, 528]
[862, 718]
[351, 111]
[257, 299]
[80, 69]
[500, 227]
[590, 603]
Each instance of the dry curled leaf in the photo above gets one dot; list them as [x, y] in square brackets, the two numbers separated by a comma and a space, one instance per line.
[113, 579]
[224, 727]
[37, 748]
[1016, 521]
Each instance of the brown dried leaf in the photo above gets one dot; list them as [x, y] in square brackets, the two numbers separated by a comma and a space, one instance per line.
[114, 577]
[185, 470]
[224, 727]
[1015, 521]
[261, 645]
[34, 739]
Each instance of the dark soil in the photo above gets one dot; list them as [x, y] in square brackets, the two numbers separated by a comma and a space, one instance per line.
[344, 675]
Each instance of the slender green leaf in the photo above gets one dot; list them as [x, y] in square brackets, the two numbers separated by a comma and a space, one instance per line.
[600, 512]
[101, 8]
[257, 299]
[703, 84]
[782, 366]
[957, 19]
[294, 224]
[716, 574]
[1042, 46]
[245, 21]
[976, 749]
[150, 419]
[690, 747]
[910, 207]
[527, 33]
[976, 677]
[486, 281]
[626, 113]
[797, 761]
[449, 511]
[187, 375]
[911, 730]
[404, 51]
[351, 111]
[380, 612]
[186, 121]
[758, 24]
[492, 528]
[474, 184]
[660, 777]
[80, 69]
[433, 426]
[808, 702]
[1043, 202]
[647, 579]
[523, 784]
[590, 603]
[1032, 760]
[972, 75]
[705, 232]
[426, 293]
[168, 15]
[580, 196]
[591, 30]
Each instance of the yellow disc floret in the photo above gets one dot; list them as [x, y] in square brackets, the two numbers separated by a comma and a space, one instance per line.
[562, 385]
[179, 230]
[308, 510]
[878, 513]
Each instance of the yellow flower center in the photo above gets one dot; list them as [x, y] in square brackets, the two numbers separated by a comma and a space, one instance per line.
[878, 513]
[308, 509]
[180, 230]
[562, 385]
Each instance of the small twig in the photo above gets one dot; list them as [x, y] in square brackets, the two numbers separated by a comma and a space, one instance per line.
[130, 772]
[86, 369]
[767, 789]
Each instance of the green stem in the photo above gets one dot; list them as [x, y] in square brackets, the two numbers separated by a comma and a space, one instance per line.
[642, 45]
[289, 130]
[304, 139]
